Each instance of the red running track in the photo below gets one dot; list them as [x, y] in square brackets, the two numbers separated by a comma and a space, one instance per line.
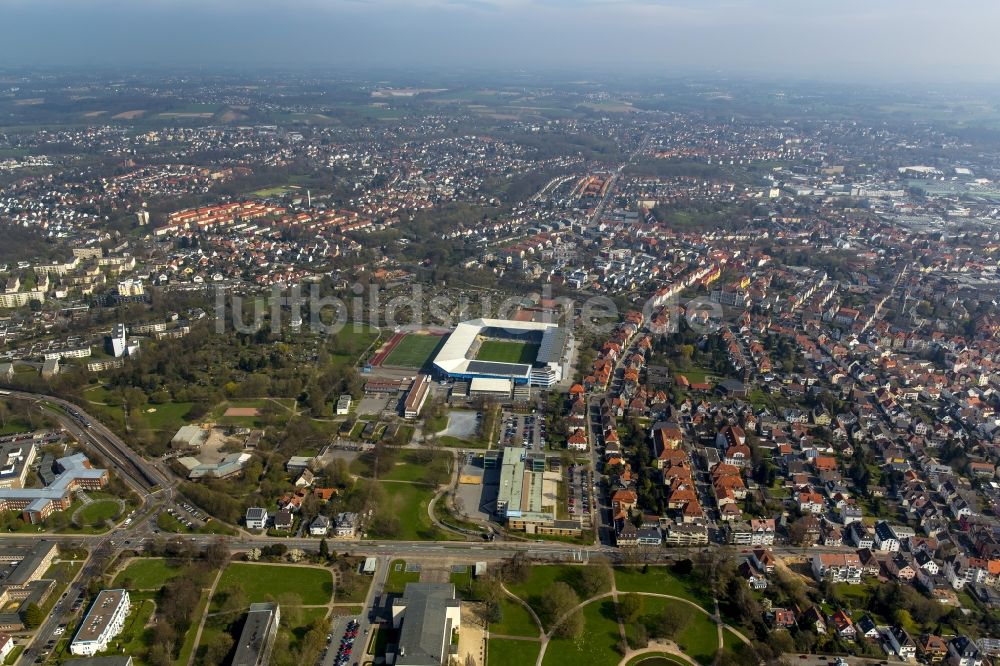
[379, 358]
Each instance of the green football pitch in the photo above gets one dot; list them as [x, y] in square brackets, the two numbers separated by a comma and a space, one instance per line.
[505, 351]
[413, 351]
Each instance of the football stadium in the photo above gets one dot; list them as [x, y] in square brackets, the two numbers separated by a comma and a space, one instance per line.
[523, 352]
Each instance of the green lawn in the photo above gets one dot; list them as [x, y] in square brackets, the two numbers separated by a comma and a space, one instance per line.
[313, 585]
[14, 654]
[346, 610]
[597, 645]
[187, 647]
[134, 639]
[729, 640]
[169, 416]
[168, 523]
[506, 351]
[516, 620]
[398, 577]
[408, 502]
[218, 413]
[13, 426]
[506, 652]
[408, 468]
[463, 584]
[61, 572]
[662, 581]
[98, 512]
[541, 578]
[414, 351]
[699, 639]
[276, 191]
[699, 375]
[656, 659]
[150, 573]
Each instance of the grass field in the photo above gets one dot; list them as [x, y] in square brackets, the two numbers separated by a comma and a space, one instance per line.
[409, 503]
[699, 639]
[313, 585]
[150, 573]
[506, 652]
[14, 426]
[414, 351]
[541, 578]
[98, 512]
[597, 645]
[135, 639]
[407, 468]
[662, 581]
[505, 351]
[187, 647]
[396, 580]
[516, 620]
[168, 416]
[277, 191]
[730, 641]
[168, 523]
[279, 406]
[14, 654]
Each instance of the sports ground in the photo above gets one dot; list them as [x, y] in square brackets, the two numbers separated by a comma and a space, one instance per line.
[408, 350]
[505, 351]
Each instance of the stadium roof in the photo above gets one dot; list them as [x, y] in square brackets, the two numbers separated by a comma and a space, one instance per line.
[452, 357]
[553, 345]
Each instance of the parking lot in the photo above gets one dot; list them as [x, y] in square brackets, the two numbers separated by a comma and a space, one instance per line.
[526, 430]
[340, 642]
[579, 499]
[477, 501]
[372, 404]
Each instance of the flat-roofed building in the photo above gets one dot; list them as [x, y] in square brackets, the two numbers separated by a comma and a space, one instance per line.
[257, 637]
[15, 460]
[417, 396]
[522, 498]
[427, 616]
[491, 387]
[104, 621]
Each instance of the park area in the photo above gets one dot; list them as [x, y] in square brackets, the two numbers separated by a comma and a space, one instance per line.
[150, 573]
[508, 652]
[312, 585]
[304, 593]
[665, 604]
[505, 351]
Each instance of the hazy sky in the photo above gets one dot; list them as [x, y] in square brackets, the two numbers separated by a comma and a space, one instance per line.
[865, 40]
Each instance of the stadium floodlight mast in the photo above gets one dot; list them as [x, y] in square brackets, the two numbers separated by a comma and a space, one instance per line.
[329, 314]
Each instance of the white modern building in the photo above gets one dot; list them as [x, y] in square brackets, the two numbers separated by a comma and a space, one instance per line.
[256, 518]
[104, 621]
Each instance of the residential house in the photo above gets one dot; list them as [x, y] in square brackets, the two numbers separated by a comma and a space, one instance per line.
[838, 567]
[256, 518]
[962, 651]
[843, 625]
[885, 538]
[904, 646]
[283, 520]
[320, 526]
